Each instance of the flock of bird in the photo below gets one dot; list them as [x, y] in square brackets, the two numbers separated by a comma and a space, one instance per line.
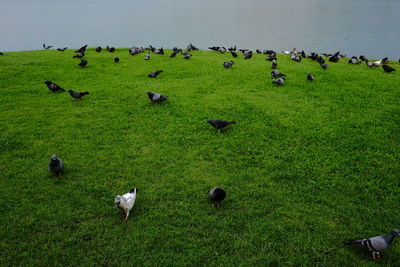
[126, 201]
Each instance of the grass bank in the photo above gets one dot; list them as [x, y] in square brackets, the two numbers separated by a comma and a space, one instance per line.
[307, 165]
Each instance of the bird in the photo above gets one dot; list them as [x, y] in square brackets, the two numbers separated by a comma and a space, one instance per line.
[258, 51]
[220, 124]
[192, 47]
[276, 74]
[354, 61]
[47, 47]
[234, 54]
[77, 95]
[53, 87]
[2, 54]
[228, 64]
[324, 66]
[362, 58]
[216, 195]
[385, 60]
[83, 63]
[116, 59]
[231, 49]
[80, 55]
[248, 54]
[279, 81]
[159, 51]
[274, 64]
[126, 202]
[155, 73]
[81, 50]
[369, 63]
[214, 48]
[310, 77]
[187, 56]
[110, 49]
[55, 165]
[98, 49]
[375, 244]
[147, 57]
[62, 49]
[156, 97]
[222, 50]
[377, 63]
[387, 68]
[174, 53]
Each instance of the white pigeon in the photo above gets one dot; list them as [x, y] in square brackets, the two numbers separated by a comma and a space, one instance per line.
[126, 202]
[377, 63]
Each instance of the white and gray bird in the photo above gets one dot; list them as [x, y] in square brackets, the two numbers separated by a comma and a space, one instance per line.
[228, 64]
[375, 244]
[216, 195]
[279, 81]
[156, 97]
[126, 202]
[55, 165]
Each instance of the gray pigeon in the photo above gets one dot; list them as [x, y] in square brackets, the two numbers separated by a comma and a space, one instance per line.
[324, 66]
[187, 56]
[375, 244]
[147, 56]
[228, 64]
[217, 194]
[276, 74]
[126, 202]
[279, 81]
[77, 95]
[310, 77]
[274, 64]
[155, 73]
[156, 97]
[55, 165]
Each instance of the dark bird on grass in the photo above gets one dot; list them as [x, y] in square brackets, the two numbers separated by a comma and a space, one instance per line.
[388, 69]
[279, 81]
[187, 56]
[110, 49]
[303, 54]
[310, 77]
[375, 244]
[363, 58]
[2, 54]
[47, 47]
[80, 55]
[98, 49]
[174, 53]
[147, 57]
[220, 124]
[385, 60]
[274, 64]
[81, 50]
[324, 66]
[228, 64]
[77, 95]
[216, 195]
[248, 54]
[159, 51]
[354, 61]
[271, 58]
[62, 49]
[334, 58]
[83, 63]
[326, 54]
[222, 49]
[55, 166]
[234, 54]
[231, 49]
[192, 47]
[296, 58]
[277, 74]
[155, 73]
[214, 48]
[156, 97]
[135, 51]
[53, 87]
[258, 51]
[116, 59]
[126, 202]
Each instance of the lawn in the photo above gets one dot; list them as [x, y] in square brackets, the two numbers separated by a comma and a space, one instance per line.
[306, 166]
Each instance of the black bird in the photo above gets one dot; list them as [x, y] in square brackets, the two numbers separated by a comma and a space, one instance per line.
[258, 51]
[116, 59]
[152, 48]
[236, 55]
[159, 51]
[363, 58]
[324, 66]
[222, 49]
[77, 95]
[174, 52]
[83, 63]
[277, 74]
[110, 49]
[53, 87]
[279, 81]
[80, 55]
[217, 194]
[385, 60]
[271, 58]
[147, 57]
[388, 69]
[228, 64]
[310, 77]
[98, 49]
[231, 49]
[220, 124]
[62, 49]
[274, 64]
[55, 165]
[81, 50]
[187, 56]
[214, 48]
[248, 54]
[156, 97]
[154, 73]
[47, 47]
[334, 58]
[303, 54]
[192, 47]
[2, 54]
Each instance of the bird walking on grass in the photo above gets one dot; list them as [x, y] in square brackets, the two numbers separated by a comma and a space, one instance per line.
[83, 63]
[310, 77]
[47, 46]
[55, 165]
[126, 202]
[216, 195]
[387, 68]
[156, 97]
[274, 64]
[220, 124]
[116, 59]
[375, 244]
[147, 57]
[277, 74]
[279, 81]
[228, 64]
[154, 74]
[1, 54]
[53, 87]
[77, 95]
[98, 49]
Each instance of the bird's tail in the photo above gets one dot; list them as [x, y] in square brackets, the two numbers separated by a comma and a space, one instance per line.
[85, 93]
[352, 242]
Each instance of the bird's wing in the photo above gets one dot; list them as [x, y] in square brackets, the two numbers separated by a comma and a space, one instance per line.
[378, 243]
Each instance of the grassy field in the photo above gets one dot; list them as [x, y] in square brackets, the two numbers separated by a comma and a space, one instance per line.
[307, 165]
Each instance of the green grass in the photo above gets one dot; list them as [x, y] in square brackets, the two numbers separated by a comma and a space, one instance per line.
[307, 165]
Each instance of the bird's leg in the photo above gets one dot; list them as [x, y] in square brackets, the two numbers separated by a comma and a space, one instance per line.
[126, 217]
[375, 255]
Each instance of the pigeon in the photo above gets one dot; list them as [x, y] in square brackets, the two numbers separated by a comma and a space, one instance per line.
[228, 64]
[147, 57]
[77, 95]
[2, 54]
[214, 48]
[363, 58]
[156, 97]
[369, 63]
[192, 47]
[126, 202]
[81, 50]
[271, 58]
[55, 165]
[217, 194]
[80, 55]
[303, 54]
[276, 74]
[83, 63]
[388, 69]
[279, 81]
[187, 56]
[310, 77]
[116, 59]
[375, 244]
[47, 47]
[174, 53]
[154, 73]
[258, 51]
[385, 60]
[234, 54]
[135, 50]
[159, 51]
[324, 66]
[62, 49]
[248, 54]
[53, 87]
[274, 64]
[231, 49]
[220, 124]
[152, 48]
[110, 49]
[98, 49]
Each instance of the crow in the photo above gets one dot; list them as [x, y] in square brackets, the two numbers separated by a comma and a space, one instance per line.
[53, 87]
[388, 69]
[155, 73]
[77, 95]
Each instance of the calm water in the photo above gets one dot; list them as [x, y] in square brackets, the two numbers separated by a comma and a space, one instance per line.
[355, 27]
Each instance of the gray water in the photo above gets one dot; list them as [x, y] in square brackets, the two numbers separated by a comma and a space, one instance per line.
[355, 27]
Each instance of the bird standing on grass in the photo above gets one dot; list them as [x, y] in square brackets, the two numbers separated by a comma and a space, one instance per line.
[116, 59]
[310, 77]
[77, 95]
[156, 97]
[147, 57]
[387, 69]
[228, 64]
[126, 202]
[324, 66]
[279, 81]
[83, 63]
[375, 244]
[53, 87]
[277, 74]
[274, 64]
[234, 54]
[220, 124]
[56, 166]
[82, 49]
[98, 49]
[80, 55]
[47, 47]
[154, 74]
[216, 195]
[2, 54]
